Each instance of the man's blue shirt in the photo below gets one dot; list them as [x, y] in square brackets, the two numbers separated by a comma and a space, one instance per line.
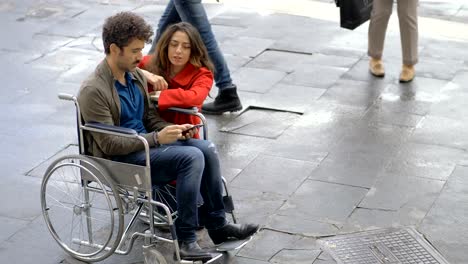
[132, 105]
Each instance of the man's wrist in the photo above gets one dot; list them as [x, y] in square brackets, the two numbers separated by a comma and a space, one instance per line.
[156, 139]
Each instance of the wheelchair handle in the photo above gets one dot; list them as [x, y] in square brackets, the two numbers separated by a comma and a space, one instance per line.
[65, 96]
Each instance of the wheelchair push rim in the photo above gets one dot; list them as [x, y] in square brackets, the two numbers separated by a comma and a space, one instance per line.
[77, 188]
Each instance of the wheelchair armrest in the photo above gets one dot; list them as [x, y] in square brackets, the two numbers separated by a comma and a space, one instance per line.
[190, 111]
[110, 128]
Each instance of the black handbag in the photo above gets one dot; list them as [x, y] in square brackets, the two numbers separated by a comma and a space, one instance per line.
[353, 13]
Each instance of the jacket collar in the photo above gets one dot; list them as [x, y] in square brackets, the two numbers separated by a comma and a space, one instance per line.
[104, 70]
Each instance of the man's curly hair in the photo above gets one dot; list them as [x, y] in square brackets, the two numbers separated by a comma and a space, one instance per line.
[122, 28]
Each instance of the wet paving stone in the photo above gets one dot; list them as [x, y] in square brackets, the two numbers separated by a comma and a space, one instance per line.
[380, 116]
[226, 33]
[25, 190]
[241, 260]
[255, 207]
[236, 18]
[363, 219]
[261, 123]
[442, 49]
[267, 244]
[426, 161]
[235, 63]
[377, 139]
[307, 76]
[294, 40]
[452, 97]
[66, 58]
[446, 224]
[295, 256]
[445, 131]
[350, 168]
[322, 201]
[283, 176]
[355, 93]
[278, 60]
[278, 26]
[41, 169]
[316, 132]
[324, 258]
[442, 69]
[309, 243]
[328, 60]
[397, 192]
[10, 227]
[233, 153]
[246, 46]
[398, 99]
[84, 22]
[289, 98]
[257, 80]
[303, 227]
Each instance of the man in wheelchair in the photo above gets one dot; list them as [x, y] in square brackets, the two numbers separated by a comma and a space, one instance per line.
[116, 94]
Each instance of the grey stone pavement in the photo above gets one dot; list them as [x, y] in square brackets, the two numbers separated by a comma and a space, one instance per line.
[321, 148]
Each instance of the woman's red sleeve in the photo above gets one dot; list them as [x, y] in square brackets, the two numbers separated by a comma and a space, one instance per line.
[193, 96]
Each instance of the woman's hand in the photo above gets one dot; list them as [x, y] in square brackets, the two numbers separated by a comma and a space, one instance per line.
[158, 82]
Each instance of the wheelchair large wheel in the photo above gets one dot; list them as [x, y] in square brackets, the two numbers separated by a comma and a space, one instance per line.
[82, 208]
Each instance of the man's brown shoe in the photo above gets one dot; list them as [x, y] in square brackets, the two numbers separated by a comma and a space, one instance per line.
[407, 73]
[376, 67]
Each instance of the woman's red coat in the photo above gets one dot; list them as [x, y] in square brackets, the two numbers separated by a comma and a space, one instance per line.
[188, 88]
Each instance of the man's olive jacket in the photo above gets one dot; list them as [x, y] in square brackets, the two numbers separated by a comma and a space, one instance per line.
[99, 102]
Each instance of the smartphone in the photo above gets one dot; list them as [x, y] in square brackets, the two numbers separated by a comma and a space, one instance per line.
[187, 130]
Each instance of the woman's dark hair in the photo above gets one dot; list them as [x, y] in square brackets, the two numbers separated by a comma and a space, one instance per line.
[122, 28]
[160, 63]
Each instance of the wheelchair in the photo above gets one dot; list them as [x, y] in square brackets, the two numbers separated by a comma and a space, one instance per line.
[95, 194]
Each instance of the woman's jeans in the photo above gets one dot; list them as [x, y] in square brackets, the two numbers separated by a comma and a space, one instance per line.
[193, 12]
[194, 164]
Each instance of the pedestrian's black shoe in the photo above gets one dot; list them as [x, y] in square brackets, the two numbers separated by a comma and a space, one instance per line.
[192, 251]
[226, 101]
[232, 231]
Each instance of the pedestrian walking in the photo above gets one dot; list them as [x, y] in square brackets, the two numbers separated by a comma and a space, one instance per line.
[193, 12]
[408, 19]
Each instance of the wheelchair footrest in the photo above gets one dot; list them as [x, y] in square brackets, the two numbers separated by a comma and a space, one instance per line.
[228, 203]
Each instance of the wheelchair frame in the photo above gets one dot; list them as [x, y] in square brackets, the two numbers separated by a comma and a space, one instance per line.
[97, 175]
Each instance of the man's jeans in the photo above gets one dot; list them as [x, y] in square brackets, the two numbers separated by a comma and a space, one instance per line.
[194, 164]
[193, 12]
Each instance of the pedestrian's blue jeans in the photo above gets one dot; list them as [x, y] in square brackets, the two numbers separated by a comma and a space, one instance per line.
[193, 12]
[194, 164]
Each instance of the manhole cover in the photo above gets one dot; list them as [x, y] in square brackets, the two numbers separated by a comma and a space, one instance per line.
[385, 246]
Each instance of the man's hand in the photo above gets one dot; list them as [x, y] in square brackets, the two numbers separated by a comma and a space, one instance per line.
[189, 131]
[157, 81]
[170, 134]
